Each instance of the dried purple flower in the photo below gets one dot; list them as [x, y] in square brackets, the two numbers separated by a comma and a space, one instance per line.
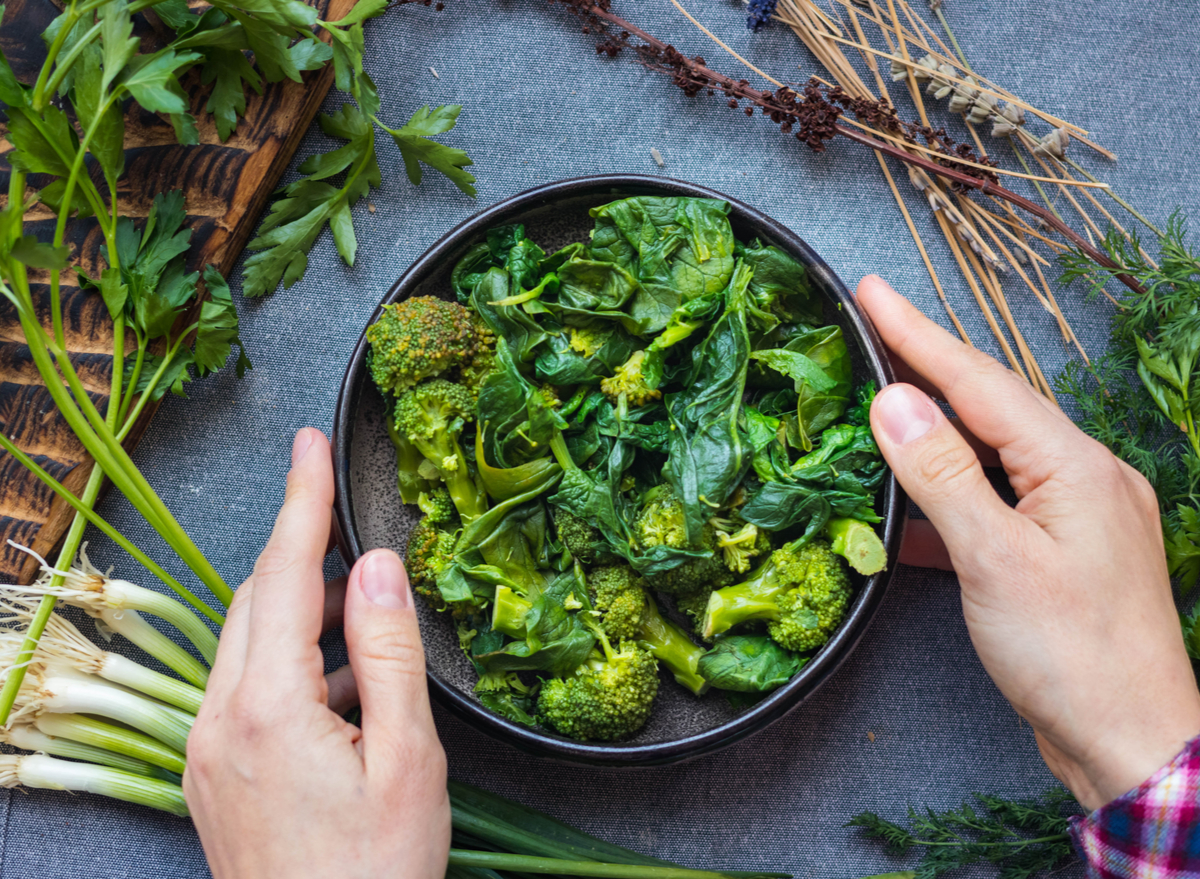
[760, 13]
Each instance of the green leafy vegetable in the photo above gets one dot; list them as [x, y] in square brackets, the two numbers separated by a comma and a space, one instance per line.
[632, 417]
[749, 664]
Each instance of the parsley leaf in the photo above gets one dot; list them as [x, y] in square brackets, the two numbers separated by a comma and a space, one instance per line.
[416, 147]
[310, 203]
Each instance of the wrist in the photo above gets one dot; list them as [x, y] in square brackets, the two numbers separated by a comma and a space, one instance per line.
[1123, 759]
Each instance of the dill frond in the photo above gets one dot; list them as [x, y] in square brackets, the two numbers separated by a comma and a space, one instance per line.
[1142, 400]
[1021, 838]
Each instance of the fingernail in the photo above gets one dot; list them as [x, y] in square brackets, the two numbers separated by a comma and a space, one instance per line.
[904, 412]
[300, 445]
[385, 582]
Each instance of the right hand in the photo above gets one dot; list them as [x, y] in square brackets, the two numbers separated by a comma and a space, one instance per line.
[1067, 596]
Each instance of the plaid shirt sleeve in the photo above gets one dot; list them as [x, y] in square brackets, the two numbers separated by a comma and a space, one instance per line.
[1152, 831]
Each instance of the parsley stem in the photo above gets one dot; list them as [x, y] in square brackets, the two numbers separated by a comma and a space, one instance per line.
[101, 443]
[108, 530]
[68, 60]
[39, 88]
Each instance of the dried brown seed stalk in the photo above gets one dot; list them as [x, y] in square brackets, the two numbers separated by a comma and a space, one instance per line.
[815, 114]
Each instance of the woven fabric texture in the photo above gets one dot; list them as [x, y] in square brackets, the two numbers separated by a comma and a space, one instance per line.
[911, 717]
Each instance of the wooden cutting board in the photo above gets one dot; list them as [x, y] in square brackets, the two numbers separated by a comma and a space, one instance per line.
[226, 186]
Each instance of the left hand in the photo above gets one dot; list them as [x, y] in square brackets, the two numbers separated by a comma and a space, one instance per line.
[278, 784]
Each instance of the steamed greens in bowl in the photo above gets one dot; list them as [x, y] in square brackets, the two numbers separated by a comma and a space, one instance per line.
[642, 450]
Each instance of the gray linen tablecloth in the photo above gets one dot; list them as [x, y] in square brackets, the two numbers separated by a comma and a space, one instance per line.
[911, 717]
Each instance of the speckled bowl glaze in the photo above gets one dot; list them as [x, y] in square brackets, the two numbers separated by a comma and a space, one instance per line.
[370, 514]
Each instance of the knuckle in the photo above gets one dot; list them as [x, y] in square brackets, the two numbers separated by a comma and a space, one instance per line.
[417, 766]
[202, 747]
[275, 561]
[946, 469]
[1143, 491]
[388, 648]
[1105, 469]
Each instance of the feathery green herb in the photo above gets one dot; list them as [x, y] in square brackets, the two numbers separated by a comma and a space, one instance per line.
[1021, 838]
[1142, 399]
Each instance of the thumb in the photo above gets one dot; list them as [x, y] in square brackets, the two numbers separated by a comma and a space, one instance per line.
[388, 662]
[937, 467]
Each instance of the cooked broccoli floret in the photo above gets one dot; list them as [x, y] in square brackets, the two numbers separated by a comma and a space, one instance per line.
[421, 338]
[430, 548]
[695, 605]
[661, 523]
[638, 377]
[581, 538]
[437, 506]
[696, 575]
[550, 394]
[738, 549]
[607, 698]
[432, 416]
[628, 612]
[619, 594]
[483, 362]
[631, 382]
[802, 594]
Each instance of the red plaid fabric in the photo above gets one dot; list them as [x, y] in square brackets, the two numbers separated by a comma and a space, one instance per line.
[1152, 831]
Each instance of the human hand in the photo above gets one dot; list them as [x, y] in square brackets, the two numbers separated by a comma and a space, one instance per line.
[1067, 596]
[277, 783]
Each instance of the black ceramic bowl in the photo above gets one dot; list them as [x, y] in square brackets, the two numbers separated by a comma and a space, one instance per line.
[370, 514]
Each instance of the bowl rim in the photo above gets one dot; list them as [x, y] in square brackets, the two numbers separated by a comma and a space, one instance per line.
[818, 670]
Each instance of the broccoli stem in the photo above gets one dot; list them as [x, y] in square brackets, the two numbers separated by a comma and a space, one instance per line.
[508, 612]
[445, 454]
[409, 482]
[672, 648]
[857, 542]
[753, 599]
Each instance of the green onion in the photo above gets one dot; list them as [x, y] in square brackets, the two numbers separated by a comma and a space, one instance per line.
[130, 674]
[62, 691]
[130, 626]
[86, 587]
[491, 821]
[30, 738]
[62, 642]
[554, 866]
[47, 773]
[97, 733]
